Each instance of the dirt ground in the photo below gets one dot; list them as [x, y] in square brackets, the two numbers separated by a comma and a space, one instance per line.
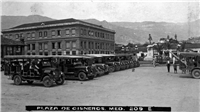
[147, 86]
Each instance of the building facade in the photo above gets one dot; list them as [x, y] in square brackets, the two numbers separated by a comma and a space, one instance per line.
[60, 37]
[11, 47]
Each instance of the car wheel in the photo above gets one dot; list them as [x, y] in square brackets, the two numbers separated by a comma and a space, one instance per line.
[60, 81]
[29, 82]
[17, 80]
[47, 82]
[118, 68]
[196, 73]
[82, 76]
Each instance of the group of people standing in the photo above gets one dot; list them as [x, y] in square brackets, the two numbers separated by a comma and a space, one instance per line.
[168, 63]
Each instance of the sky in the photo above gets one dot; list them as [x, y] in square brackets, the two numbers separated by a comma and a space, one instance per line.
[109, 10]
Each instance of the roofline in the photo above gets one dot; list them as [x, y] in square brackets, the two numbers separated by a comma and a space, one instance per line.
[60, 24]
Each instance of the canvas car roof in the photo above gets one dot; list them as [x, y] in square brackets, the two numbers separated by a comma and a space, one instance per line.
[189, 54]
[24, 56]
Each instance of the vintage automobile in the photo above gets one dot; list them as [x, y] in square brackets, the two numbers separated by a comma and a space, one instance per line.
[32, 68]
[73, 66]
[99, 63]
[123, 60]
[192, 61]
[1, 64]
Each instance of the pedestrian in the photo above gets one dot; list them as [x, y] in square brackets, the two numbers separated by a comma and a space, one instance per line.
[174, 65]
[175, 68]
[168, 64]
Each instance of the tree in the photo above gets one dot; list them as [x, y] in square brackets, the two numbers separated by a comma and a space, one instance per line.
[150, 38]
[159, 47]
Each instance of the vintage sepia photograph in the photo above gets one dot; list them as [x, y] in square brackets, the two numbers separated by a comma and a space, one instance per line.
[100, 55]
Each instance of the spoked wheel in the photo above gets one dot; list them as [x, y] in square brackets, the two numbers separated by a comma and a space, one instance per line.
[113, 69]
[82, 76]
[60, 81]
[17, 80]
[47, 82]
[196, 73]
[118, 68]
[29, 82]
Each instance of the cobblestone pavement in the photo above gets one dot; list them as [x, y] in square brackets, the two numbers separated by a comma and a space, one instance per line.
[147, 86]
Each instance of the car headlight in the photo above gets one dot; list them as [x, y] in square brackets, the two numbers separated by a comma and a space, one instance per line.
[61, 73]
[87, 69]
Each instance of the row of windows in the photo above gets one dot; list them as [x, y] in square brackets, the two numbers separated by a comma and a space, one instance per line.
[54, 45]
[96, 45]
[31, 35]
[97, 34]
[96, 52]
[72, 52]
[68, 32]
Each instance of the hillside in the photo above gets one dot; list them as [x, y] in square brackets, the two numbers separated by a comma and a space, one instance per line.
[12, 21]
[135, 32]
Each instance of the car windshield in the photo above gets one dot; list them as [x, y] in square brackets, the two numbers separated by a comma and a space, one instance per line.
[46, 64]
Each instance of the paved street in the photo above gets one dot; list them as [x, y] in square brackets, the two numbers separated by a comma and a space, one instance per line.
[147, 86]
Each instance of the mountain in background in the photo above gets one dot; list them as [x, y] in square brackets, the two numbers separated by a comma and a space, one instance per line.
[12, 21]
[126, 32]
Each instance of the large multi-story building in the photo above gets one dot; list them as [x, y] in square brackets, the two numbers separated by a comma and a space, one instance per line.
[68, 36]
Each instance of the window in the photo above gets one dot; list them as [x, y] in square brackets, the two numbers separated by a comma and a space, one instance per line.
[67, 32]
[84, 32]
[73, 32]
[28, 47]
[96, 34]
[81, 44]
[53, 45]
[53, 53]
[74, 44]
[59, 53]
[59, 45]
[6, 36]
[85, 45]
[92, 45]
[58, 32]
[46, 53]
[95, 45]
[89, 45]
[40, 46]
[92, 33]
[68, 44]
[45, 33]
[53, 33]
[81, 32]
[73, 52]
[67, 52]
[41, 53]
[40, 34]
[45, 46]
[17, 36]
[33, 53]
[33, 35]
[28, 35]
[33, 46]
[21, 35]
[10, 36]
[28, 53]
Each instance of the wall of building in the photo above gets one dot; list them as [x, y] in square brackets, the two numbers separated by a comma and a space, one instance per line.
[73, 39]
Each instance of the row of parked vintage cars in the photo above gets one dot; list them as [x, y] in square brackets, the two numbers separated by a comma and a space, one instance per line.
[56, 68]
